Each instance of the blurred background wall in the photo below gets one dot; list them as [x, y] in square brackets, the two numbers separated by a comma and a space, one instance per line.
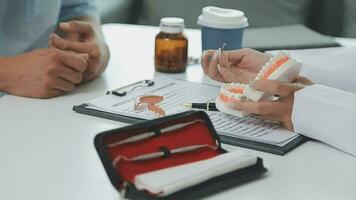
[331, 17]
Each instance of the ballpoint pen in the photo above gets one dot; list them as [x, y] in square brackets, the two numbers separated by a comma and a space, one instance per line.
[204, 106]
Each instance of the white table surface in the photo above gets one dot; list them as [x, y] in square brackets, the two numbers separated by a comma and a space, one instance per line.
[47, 151]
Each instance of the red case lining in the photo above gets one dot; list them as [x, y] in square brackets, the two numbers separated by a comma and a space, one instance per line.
[197, 133]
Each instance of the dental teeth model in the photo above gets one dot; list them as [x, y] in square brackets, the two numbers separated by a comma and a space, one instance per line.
[281, 67]
[230, 93]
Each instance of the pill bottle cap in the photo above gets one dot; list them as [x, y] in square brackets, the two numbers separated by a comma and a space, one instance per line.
[172, 25]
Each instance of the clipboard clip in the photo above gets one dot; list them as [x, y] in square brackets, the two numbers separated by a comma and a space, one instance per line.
[119, 93]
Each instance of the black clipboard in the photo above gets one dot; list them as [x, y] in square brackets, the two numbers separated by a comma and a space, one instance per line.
[259, 146]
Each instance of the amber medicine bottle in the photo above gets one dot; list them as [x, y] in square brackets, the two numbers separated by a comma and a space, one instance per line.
[171, 46]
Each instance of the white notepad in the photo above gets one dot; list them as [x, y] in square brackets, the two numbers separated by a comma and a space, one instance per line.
[167, 181]
[177, 92]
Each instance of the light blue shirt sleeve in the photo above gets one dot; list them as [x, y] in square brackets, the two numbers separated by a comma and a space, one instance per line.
[78, 8]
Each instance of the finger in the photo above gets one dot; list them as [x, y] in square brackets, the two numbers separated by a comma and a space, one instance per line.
[228, 75]
[273, 87]
[76, 26]
[296, 86]
[213, 65]
[288, 125]
[260, 108]
[303, 80]
[236, 55]
[61, 84]
[55, 93]
[65, 44]
[50, 44]
[88, 76]
[225, 69]
[76, 61]
[205, 59]
[73, 37]
[68, 74]
[223, 60]
[271, 117]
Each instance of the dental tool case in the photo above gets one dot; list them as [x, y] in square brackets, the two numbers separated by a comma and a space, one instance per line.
[174, 157]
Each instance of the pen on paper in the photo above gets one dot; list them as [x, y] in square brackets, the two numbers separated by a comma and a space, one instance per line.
[203, 106]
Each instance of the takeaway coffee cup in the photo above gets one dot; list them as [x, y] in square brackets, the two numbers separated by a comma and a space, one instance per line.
[221, 26]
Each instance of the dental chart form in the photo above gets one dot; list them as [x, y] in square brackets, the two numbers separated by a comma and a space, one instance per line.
[177, 92]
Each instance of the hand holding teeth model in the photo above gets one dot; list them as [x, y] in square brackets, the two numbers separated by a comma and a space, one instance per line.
[280, 67]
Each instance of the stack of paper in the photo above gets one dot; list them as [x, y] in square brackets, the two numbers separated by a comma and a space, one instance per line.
[178, 92]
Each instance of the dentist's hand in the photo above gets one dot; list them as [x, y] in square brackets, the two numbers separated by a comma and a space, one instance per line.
[239, 66]
[279, 110]
[82, 38]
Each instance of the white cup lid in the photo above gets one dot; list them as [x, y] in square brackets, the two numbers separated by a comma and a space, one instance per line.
[172, 25]
[222, 18]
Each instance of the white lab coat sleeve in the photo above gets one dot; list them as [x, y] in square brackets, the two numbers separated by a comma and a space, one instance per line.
[333, 67]
[326, 114]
